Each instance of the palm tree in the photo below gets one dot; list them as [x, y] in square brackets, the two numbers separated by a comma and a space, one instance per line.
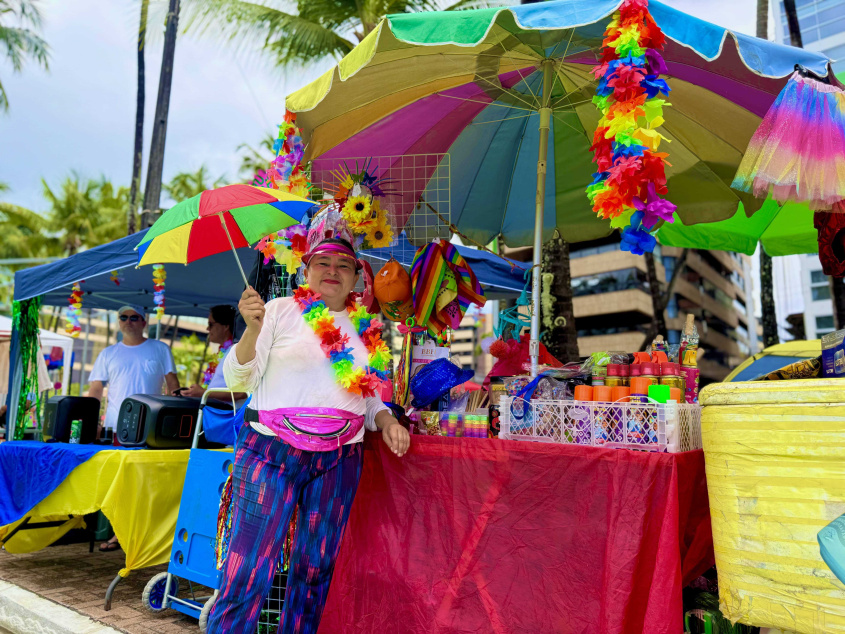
[138, 154]
[317, 29]
[87, 213]
[767, 290]
[254, 159]
[19, 21]
[185, 185]
[155, 167]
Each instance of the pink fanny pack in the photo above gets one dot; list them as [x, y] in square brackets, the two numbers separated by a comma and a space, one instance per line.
[312, 428]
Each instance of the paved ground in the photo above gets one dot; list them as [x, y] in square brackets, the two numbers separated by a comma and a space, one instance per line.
[70, 576]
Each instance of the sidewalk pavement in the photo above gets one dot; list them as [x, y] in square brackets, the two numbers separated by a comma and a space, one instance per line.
[72, 577]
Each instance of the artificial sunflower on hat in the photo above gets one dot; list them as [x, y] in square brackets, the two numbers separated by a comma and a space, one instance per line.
[380, 233]
[356, 211]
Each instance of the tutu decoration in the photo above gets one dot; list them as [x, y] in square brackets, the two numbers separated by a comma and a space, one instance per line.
[798, 152]
[74, 311]
[630, 172]
[159, 276]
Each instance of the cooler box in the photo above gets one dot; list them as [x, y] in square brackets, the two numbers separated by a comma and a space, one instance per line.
[775, 460]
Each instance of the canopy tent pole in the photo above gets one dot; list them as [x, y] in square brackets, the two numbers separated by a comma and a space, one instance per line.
[234, 251]
[84, 352]
[545, 124]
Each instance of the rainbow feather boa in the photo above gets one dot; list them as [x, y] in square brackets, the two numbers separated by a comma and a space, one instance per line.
[335, 344]
[630, 175]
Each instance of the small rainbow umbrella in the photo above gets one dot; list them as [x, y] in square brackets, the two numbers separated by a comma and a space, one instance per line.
[218, 219]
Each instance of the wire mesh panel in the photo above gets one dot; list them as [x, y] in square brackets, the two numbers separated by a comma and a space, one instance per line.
[417, 188]
[647, 426]
[270, 619]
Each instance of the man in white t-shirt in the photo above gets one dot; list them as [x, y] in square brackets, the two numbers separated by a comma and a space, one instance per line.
[136, 365]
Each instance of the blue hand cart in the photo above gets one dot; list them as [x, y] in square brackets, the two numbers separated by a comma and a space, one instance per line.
[192, 557]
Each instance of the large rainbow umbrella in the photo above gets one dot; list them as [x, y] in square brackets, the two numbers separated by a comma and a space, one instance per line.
[228, 217]
[506, 94]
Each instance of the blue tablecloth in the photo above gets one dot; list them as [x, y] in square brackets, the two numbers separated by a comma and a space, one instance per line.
[30, 471]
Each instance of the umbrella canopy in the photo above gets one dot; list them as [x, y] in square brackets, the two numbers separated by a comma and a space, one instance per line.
[470, 83]
[194, 228]
[786, 230]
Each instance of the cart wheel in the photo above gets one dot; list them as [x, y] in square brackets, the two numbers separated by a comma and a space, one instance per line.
[206, 611]
[153, 596]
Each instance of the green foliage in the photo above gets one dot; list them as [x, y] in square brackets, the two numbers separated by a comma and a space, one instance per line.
[254, 159]
[85, 213]
[19, 40]
[188, 356]
[188, 184]
[311, 31]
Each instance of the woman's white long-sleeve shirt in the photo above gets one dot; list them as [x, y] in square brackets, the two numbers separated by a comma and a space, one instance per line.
[290, 368]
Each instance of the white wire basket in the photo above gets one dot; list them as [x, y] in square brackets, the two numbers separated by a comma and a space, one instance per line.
[657, 427]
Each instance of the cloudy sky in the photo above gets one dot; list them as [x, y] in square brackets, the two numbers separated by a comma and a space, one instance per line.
[80, 115]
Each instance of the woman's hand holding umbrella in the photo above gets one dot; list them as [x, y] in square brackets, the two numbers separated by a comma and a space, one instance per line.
[252, 309]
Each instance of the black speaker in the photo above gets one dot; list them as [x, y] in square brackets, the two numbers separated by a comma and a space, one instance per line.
[162, 422]
[60, 411]
[157, 422]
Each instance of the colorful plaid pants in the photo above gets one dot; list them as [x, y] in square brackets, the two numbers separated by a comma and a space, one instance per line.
[269, 478]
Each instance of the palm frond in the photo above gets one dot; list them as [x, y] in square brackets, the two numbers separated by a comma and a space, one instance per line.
[303, 34]
[292, 39]
[463, 5]
[20, 44]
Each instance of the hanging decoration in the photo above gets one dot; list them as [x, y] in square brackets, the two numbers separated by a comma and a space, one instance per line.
[630, 173]
[286, 171]
[797, 154]
[285, 247]
[366, 382]
[74, 311]
[831, 237]
[116, 277]
[444, 287]
[159, 277]
[25, 323]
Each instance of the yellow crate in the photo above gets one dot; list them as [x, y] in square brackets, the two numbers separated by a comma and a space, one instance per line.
[775, 459]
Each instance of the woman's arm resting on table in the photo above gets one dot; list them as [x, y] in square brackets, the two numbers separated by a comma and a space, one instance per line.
[397, 437]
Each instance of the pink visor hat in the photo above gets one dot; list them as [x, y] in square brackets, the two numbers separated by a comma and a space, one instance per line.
[332, 248]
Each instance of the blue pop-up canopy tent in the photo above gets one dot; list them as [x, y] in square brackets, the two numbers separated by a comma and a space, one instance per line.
[192, 289]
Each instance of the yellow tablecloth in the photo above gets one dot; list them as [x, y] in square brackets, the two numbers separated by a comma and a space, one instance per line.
[775, 462]
[138, 491]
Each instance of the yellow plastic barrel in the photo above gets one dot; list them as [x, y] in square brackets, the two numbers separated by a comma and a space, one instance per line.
[775, 460]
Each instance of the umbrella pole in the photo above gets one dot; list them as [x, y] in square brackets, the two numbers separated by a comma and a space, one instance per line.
[545, 124]
[234, 251]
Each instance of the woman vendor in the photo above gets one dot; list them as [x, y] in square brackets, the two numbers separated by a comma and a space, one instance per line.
[314, 363]
[221, 330]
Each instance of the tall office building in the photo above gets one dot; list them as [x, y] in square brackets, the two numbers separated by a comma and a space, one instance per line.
[822, 25]
[613, 307]
[802, 297]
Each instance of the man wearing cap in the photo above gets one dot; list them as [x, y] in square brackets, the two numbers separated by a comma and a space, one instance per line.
[136, 365]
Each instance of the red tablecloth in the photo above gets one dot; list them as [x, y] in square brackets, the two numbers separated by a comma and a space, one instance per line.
[471, 536]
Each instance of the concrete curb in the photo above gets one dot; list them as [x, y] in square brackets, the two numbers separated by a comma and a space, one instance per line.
[23, 612]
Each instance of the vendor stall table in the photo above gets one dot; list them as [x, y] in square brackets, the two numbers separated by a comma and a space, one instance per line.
[138, 491]
[775, 456]
[468, 536]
